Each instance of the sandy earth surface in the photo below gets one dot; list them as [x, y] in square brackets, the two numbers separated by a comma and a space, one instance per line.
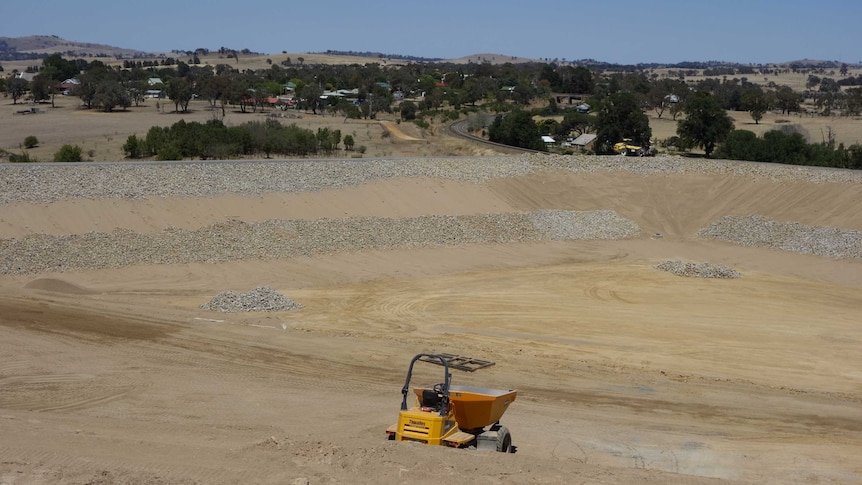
[625, 374]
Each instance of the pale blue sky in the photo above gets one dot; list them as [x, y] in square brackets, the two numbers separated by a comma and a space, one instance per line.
[623, 31]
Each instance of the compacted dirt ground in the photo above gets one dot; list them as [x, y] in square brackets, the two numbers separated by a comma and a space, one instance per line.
[625, 374]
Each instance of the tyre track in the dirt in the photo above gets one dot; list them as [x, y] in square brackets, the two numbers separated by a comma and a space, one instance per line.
[48, 375]
[380, 307]
[58, 392]
[603, 293]
[228, 357]
[77, 465]
[49, 386]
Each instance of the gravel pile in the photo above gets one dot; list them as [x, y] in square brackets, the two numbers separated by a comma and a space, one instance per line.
[759, 231]
[559, 225]
[698, 270]
[263, 299]
[234, 240]
[42, 183]
[276, 238]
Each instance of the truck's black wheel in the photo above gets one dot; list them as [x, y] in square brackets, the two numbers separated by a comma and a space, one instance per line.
[504, 440]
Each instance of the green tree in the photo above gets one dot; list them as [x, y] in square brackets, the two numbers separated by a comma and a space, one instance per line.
[577, 123]
[408, 111]
[786, 100]
[826, 101]
[60, 69]
[180, 92]
[16, 87]
[470, 92]
[516, 128]
[433, 99]
[349, 142]
[137, 90]
[658, 96]
[706, 123]
[215, 89]
[853, 101]
[42, 87]
[579, 80]
[380, 100]
[96, 74]
[756, 102]
[741, 145]
[134, 147]
[621, 118]
[310, 96]
[30, 141]
[68, 153]
[523, 94]
[110, 94]
[780, 147]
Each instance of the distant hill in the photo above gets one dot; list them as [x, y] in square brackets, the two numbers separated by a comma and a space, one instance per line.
[812, 63]
[41, 46]
[492, 59]
[33, 47]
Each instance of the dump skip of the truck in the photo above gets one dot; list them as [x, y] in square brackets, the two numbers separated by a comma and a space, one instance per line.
[477, 407]
[455, 416]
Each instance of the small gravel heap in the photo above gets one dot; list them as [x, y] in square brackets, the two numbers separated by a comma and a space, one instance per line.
[698, 270]
[263, 299]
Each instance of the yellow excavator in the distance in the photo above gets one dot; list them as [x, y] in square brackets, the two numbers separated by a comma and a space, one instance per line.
[628, 148]
[455, 416]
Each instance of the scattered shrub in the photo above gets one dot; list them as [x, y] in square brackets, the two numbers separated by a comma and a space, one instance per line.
[169, 152]
[31, 141]
[789, 147]
[24, 157]
[134, 147]
[408, 110]
[68, 154]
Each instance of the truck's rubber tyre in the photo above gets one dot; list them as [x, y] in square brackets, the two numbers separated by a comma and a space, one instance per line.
[504, 440]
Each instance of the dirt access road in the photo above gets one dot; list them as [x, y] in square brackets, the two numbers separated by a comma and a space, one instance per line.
[626, 374]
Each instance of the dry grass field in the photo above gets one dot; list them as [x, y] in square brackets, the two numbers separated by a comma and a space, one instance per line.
[847, 130]
[102, 135]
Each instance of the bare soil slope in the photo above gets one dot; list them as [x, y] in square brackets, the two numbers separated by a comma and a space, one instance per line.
[626, 374]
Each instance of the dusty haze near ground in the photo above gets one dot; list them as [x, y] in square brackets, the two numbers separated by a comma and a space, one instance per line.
[626, 374]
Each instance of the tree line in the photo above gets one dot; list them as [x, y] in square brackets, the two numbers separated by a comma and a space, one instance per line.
[214, 140]
[619, 101]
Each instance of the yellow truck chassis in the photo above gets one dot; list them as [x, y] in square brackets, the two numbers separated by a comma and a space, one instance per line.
[455, 416]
